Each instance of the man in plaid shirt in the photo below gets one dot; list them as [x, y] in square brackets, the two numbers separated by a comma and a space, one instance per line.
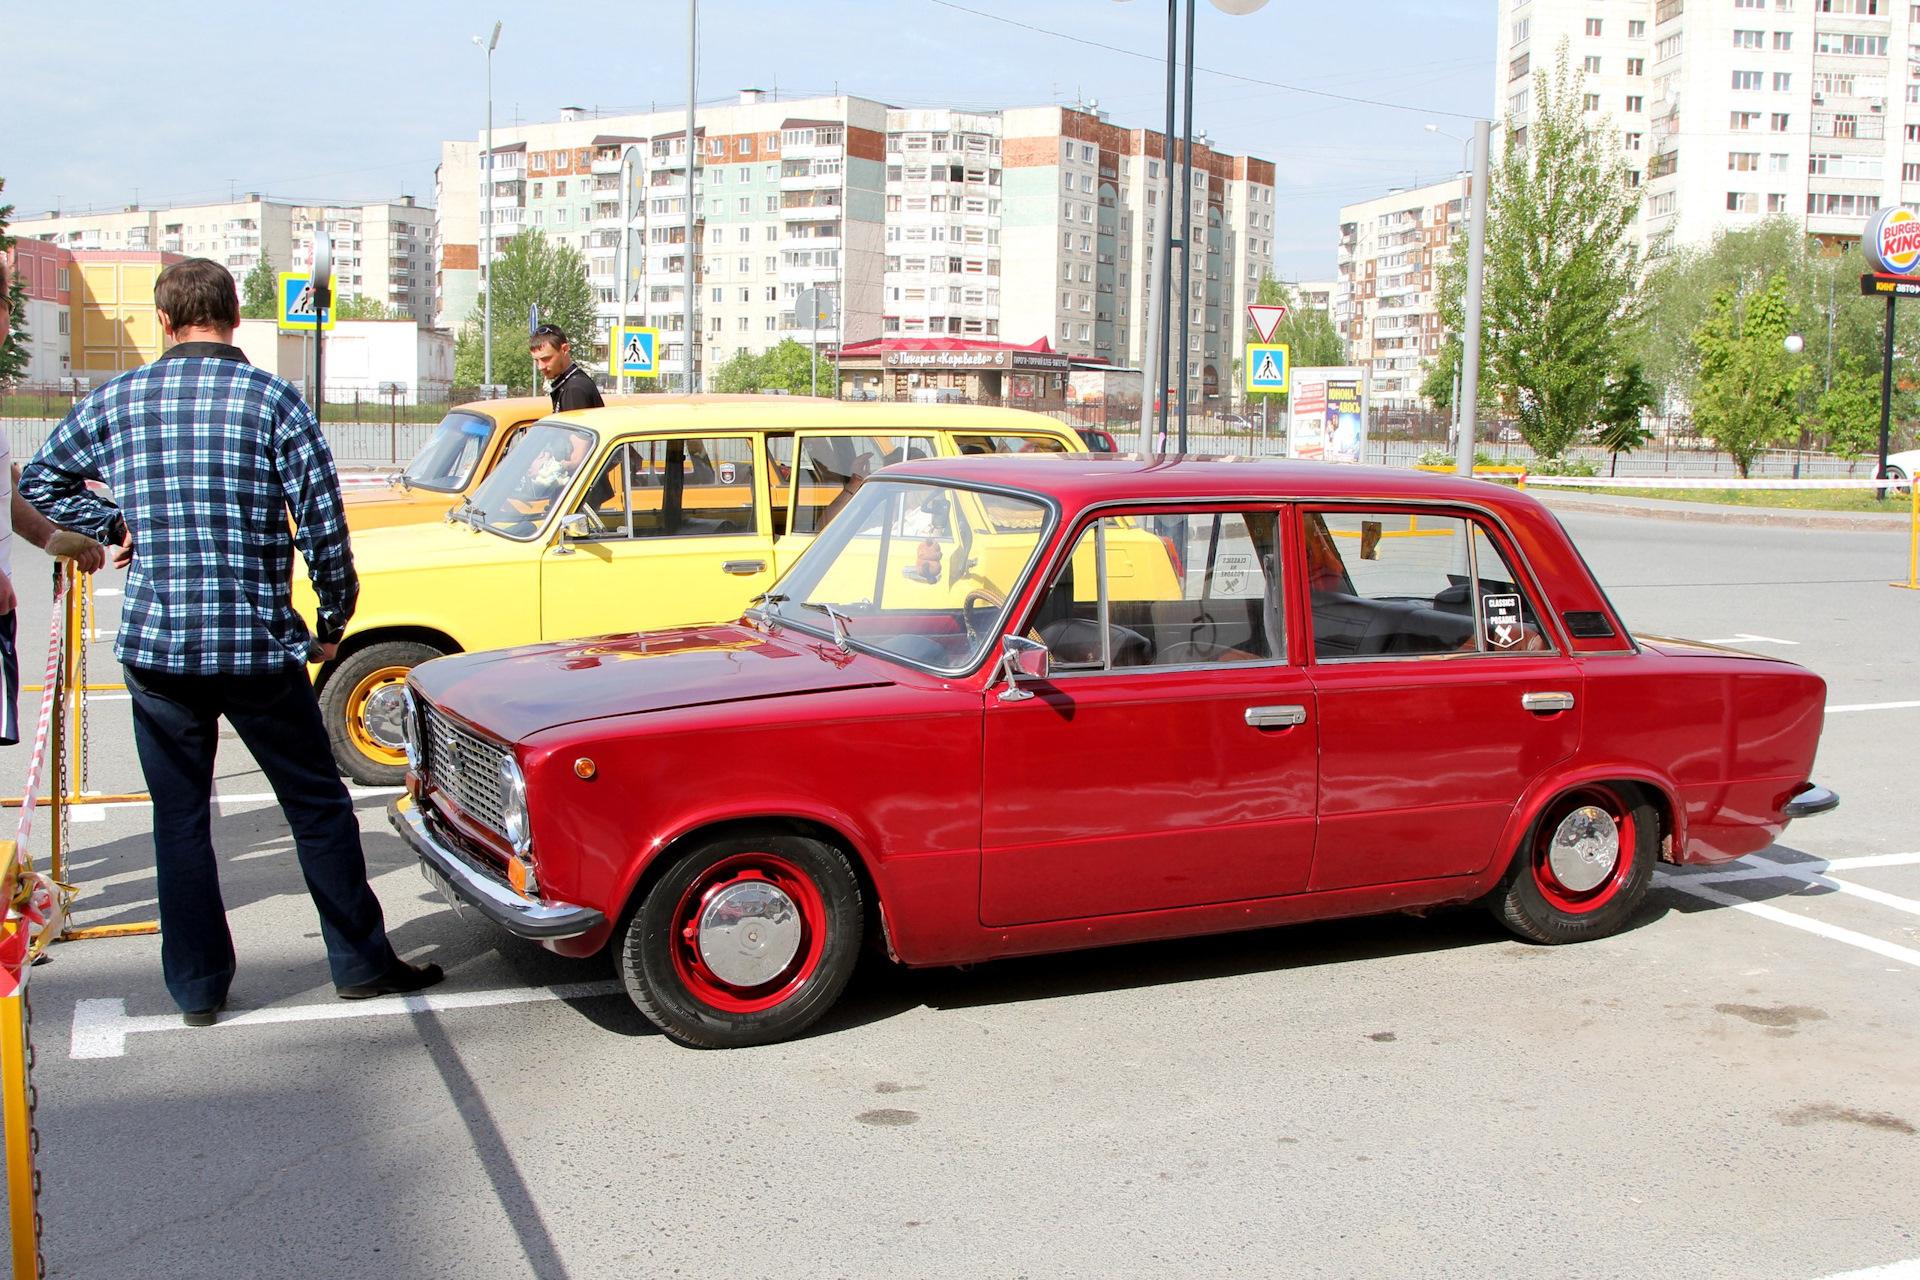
[207, 456]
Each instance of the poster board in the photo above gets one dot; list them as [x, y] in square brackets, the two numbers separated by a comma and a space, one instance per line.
[1327, 414]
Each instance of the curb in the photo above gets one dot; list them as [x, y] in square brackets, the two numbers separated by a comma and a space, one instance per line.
[1704, 514]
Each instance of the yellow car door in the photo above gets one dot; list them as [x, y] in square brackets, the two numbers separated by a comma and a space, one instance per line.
[665, 531]
[826, 468]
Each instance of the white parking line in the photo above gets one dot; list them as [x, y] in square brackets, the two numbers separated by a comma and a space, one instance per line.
[1872, 706]
[101, 1027]
[1908, 1270]
[1765, 868]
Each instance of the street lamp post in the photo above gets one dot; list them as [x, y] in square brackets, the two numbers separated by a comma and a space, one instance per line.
[689, 337]
[627, 158]
[486, 260]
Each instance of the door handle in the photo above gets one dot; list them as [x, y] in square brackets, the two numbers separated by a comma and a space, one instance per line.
[1276, 717]
[744, 568]
[1547, 701]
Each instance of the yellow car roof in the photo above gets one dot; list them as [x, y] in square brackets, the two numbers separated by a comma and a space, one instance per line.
[800, 413]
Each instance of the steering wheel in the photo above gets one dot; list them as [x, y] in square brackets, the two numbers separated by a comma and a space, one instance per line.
[977, 598]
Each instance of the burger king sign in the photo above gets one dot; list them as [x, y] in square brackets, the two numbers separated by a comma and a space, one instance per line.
[1892, 242]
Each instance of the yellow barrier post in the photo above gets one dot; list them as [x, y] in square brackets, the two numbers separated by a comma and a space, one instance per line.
[16, 1101]
[1913, 536]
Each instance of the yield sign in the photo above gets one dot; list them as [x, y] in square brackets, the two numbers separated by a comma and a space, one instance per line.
[1265, 319]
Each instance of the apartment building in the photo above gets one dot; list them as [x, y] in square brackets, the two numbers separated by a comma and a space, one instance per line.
[380, 250]
[1729, 111]
[1014, 226]
[45, 272]
[1385, 299]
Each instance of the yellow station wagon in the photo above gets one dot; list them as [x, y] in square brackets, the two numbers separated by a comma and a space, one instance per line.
[667, 512]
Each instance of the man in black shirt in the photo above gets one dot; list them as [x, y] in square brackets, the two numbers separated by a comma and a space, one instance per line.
[570, 386]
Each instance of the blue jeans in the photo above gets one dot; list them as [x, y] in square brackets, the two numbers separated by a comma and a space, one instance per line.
[176, 729]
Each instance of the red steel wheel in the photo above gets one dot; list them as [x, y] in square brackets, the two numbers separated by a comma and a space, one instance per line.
[744, 941]
[1584, 868]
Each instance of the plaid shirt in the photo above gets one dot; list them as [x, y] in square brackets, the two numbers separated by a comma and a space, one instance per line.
[207, 456]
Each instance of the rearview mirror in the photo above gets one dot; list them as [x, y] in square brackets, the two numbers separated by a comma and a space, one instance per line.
[1022, 659]
[576, 525]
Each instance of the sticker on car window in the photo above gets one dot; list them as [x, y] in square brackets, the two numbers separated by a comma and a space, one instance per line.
[1234, 572]
[1503, 621]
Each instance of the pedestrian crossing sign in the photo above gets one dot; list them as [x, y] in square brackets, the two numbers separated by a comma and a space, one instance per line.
[296, 302]
[1267, 366]
[633, 353]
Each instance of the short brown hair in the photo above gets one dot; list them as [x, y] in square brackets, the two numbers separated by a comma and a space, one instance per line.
[547, 335]
[198, 293]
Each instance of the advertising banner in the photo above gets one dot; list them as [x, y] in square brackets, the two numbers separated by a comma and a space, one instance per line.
[1326, 414]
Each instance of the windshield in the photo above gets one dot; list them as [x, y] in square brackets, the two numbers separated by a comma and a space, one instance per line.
[919, 572]
[517, 496]
[447, 462]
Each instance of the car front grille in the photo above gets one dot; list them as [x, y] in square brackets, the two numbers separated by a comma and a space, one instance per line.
[465, 768]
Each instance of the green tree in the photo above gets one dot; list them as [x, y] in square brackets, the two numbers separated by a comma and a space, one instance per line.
[364, 306]
[13, 352]
[1848, 412]
[1622, 429]
[788, 366]
[531, 271]
[1562, 267]
[1748, 381]
[260, 291]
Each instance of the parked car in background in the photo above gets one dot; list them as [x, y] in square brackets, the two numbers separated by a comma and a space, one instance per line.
[1903, 466]
[1351, 690]
[462, 452]
[1096, 440]
[668, 510]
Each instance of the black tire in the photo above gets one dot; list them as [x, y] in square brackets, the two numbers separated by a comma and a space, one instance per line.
[667, 973]
[358, 747]
[1535, 905]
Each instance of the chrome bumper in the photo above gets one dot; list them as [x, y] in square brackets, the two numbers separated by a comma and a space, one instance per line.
[454, 874]
[1815, 799]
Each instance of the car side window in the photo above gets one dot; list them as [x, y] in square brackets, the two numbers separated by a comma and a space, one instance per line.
[1396, 584]
[1178, 589]
[969, 444]
[829, 469]
[680, 487]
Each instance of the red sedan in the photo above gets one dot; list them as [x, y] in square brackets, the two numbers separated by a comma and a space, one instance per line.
[1031, 703]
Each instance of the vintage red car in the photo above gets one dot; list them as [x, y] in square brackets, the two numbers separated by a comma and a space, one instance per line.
[1032, 703]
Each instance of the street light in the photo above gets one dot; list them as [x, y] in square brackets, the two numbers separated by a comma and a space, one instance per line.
[486, 262]
[1159, 318]
[1464, 144]
[1794, 344]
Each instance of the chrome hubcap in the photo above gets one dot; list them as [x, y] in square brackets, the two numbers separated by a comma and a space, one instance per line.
[384, 716]
[1585, 848]
[749, 933]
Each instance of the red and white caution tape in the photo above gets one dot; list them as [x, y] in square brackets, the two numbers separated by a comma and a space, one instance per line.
[34, 903]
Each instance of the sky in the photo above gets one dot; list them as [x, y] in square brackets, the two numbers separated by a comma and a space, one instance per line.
[115, 102]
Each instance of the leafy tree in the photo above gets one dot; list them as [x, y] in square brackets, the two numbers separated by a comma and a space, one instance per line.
[1621, 427]
[1849, 411]
[260, 291]
[1748, 381]
[531, 270]
[13, 352]
[788, 366]
[364, 306]
[1561, 267]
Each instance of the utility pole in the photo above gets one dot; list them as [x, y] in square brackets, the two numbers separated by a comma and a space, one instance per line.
[1186, 227]
[486, 260]
[1158, 277]
[627, 157]
[1476, 283]
[690, 338]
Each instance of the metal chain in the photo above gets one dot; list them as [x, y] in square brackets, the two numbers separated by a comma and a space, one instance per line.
[88, 621]
[33, 1137]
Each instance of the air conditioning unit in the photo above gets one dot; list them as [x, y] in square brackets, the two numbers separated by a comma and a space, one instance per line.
[1819, 99]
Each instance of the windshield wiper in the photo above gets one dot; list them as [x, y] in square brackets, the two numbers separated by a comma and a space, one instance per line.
[467, 514]
[772, 600]
[841, 628]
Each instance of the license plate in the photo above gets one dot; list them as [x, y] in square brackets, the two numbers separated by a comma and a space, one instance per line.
[442, 887]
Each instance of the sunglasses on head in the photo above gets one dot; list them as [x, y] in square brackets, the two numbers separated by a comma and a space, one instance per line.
[548, 331]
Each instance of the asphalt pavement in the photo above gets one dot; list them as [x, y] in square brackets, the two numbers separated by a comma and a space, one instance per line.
[1731, 1088]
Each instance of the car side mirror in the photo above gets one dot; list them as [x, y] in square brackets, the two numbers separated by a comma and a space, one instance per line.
[1022, 659]
[577, 525]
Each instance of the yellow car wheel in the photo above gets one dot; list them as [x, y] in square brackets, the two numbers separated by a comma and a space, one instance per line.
[361, 704]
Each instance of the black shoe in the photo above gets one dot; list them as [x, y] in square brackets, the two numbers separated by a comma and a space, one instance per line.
[399, 980]
[202, 1017]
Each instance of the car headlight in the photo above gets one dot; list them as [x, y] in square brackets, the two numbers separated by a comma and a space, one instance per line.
[513, 806]
[411, 732]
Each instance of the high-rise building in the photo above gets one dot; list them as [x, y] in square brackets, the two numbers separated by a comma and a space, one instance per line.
[1386, 297]
[1728, 111]
[382, 251]
[1014, 226]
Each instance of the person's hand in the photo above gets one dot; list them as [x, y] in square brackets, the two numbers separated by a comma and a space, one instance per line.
[123, 554]
[86, 554]
[7, 600]
[328, 652]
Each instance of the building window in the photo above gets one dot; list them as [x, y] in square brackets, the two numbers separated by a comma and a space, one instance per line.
[1667, 47]
[1842, 206]
[1636, 30]
[1783, 41]
[1741, 120]
[1779, 122]
[1867, 8]
[1748, 81]
[1593, 26]
[1850, 45]
[1589, 102]
[1743, 161]
[1521, 29]
[1742, 202]
[1776, 203]
[1590, 65]
[1748, 39]
[1777, 162]
[1634, 141]
[1783, 82]
[1635, 104]
[1910, 173]
[1636, 66]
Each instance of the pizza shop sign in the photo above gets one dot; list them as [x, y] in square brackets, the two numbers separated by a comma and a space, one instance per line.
[1892, 242]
